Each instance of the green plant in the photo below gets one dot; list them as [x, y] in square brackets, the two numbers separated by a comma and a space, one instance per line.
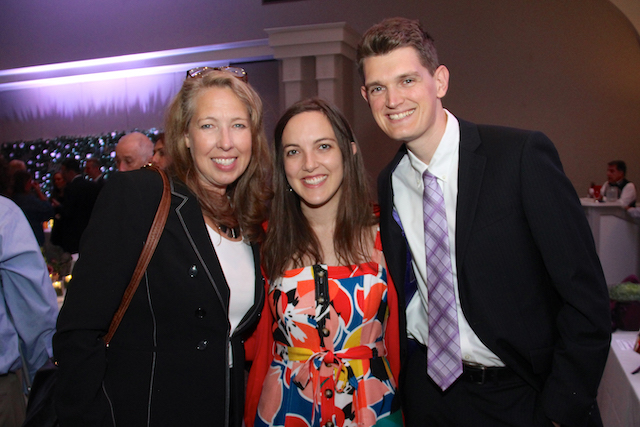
[626, 291]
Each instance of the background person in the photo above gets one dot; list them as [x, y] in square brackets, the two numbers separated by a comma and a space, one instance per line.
[4, 176]
[93, 170]
[73, 215]
[509, 323]
[624, 191]
[35, 205]
[133, 151]
[28, 310]
[57, 190]
[177, 357]
[160, 156]
[328, 290]
[14, 166]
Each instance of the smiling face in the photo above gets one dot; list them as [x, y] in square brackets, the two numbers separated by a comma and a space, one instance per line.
[405, 99]
[313, 162]
[219, 137]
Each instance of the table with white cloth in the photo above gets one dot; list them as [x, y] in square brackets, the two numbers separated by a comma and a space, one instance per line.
[617, 238]
[619, 392]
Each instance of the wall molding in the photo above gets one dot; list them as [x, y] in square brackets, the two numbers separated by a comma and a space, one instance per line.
[317, 60]
[151, 63]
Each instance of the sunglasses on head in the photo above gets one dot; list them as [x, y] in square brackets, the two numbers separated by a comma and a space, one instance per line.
[201, 71]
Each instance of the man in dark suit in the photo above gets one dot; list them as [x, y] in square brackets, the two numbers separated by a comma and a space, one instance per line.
[79, 197]
[509, 323]
[93, 170]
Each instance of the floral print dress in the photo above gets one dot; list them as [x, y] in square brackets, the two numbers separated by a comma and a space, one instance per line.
[329, 366]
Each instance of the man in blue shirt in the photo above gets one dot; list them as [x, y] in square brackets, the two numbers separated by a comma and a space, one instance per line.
[28, 310]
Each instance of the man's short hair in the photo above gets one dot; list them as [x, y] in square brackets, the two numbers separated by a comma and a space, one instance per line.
[394, 33]
[93, 161]
[71, 165]
[620, 165]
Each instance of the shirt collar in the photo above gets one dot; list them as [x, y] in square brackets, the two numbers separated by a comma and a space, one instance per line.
[444, 155]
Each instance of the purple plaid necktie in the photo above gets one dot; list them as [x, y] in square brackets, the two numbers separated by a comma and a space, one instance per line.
[444, 363]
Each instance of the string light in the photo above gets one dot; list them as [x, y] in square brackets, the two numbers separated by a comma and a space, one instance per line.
[43, 156]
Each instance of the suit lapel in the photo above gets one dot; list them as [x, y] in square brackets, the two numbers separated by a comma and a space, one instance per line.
[470, 173]
[393, 242]
[259, 295]
[190, 215]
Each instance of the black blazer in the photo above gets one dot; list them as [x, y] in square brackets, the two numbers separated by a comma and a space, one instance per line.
[530, 281]
[79, 198]
[168, 361]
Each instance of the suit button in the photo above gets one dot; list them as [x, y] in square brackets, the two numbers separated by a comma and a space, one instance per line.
[193, 271]
[325, 332]
[200, 313]
[328, 393]
[202, 345]
[329, 424]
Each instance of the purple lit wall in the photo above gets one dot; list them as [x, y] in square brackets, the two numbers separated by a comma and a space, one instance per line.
[118, 93]
[86, 107]
[569, 68]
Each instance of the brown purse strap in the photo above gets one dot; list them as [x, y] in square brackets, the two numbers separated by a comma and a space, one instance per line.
[145, 256]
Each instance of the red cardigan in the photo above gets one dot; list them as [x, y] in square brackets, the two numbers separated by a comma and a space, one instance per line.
[259, 346]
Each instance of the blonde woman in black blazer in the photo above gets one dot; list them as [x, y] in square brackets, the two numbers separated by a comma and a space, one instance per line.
[174, 359]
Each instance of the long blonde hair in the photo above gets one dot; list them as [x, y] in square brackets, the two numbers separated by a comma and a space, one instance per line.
[245, 203]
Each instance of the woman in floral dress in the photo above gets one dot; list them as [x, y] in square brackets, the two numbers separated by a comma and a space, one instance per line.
[326, 347]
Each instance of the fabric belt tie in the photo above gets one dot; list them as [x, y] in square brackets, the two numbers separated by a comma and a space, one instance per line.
[325, 386]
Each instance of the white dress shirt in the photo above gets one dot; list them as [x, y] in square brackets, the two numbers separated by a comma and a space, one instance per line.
[236, 261]
[627, 195]
[408, 188]
[28, 304]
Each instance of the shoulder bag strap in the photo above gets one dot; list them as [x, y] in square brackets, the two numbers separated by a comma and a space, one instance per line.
[145, 256]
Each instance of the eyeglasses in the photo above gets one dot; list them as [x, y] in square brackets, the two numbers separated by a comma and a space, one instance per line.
[201, 71]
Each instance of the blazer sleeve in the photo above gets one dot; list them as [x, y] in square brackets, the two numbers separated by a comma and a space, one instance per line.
[563, 237]
[392, 331]
[258, 350]
[109, 251]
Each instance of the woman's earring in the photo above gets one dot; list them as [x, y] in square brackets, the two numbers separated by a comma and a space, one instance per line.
[289, 187]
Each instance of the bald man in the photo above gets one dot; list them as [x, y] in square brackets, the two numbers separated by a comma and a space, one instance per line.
[134, 150]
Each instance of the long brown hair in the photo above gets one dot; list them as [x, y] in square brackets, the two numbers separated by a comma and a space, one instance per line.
[245, 203]
[290, 238]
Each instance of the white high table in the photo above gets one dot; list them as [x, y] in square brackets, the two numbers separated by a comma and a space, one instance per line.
[617, 238]
[619, 392]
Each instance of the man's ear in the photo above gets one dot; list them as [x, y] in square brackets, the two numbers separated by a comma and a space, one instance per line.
[441, 76]
[363, 92]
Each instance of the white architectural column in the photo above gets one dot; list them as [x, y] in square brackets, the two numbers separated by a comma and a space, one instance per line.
[331, 48]
[298, 78]
[335, 82]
